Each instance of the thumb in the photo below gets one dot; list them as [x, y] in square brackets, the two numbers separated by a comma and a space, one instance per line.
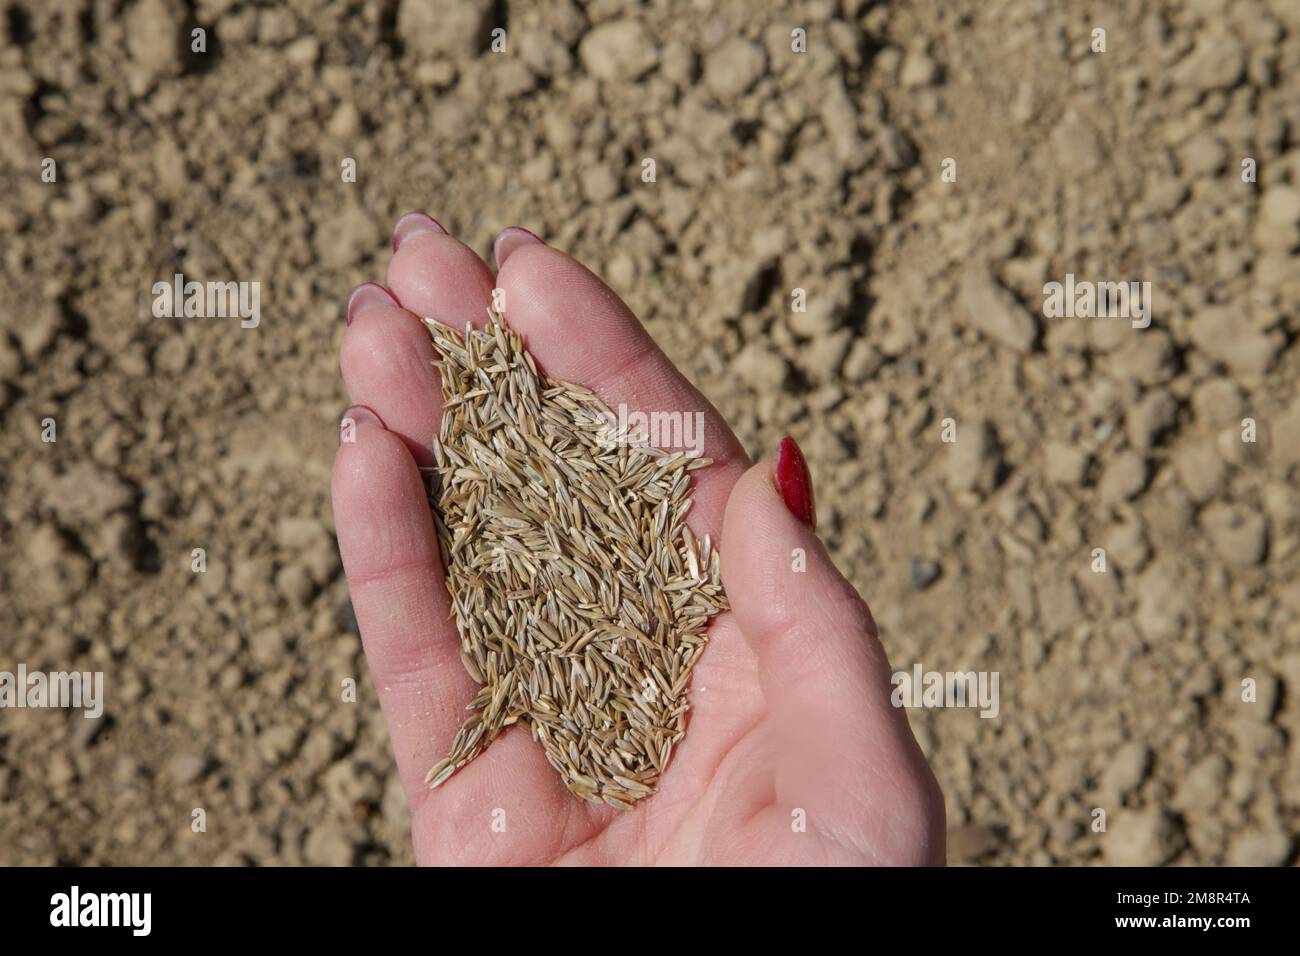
[823, 671]
[812, 632]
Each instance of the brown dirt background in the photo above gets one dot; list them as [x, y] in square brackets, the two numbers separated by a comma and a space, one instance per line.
[820, 171]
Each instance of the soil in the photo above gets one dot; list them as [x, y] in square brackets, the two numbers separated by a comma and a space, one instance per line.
[774, 171]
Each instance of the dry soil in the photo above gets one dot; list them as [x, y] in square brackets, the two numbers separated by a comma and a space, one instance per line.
[775, 171]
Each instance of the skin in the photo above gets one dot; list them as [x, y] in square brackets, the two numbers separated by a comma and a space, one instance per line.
[791, 719]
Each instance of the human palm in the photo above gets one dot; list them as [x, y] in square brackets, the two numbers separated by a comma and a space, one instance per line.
[793, 752]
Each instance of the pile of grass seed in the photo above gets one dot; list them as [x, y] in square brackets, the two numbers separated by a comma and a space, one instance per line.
[580, 594]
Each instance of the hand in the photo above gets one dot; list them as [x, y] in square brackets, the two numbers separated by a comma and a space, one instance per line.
[793, 753]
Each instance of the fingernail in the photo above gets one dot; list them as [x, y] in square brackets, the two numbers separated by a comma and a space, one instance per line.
[366, 296]
[508, 240]
[412, 223]
[356, 417]
[794, 482]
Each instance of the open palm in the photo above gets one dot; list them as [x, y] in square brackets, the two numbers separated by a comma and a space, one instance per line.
[793, 753]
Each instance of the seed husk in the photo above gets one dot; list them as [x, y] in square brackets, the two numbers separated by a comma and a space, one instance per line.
[581, 597]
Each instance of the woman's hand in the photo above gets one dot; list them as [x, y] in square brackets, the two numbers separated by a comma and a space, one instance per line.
[793, 752]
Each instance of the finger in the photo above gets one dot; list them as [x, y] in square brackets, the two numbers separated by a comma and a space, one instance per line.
[824, 673]
[436, 275]
[390, 553]
[386, 354]
[580, 331]
[387, 364]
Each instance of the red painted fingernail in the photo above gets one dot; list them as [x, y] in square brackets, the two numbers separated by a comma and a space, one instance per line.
[412, 223]
[366, 296]
[794, 482]
[508, 240]
[357, 416]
